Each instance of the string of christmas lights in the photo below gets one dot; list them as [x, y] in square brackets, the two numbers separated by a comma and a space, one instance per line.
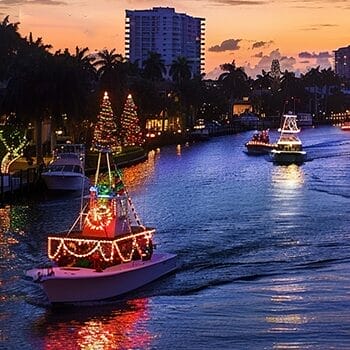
[132, 207]
[64, 246]
[13, 152]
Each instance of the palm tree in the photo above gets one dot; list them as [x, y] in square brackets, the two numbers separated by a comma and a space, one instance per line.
[29, 91]
[312, 81]
[153, 67]
[38, 43]
[191, 98]
[261, 91]
[10, 42]
[180, 70]
[234, 81]
[73, 84]
[289, 90]
[329, 80]
[147, 98]
[106, 64]
[112, 73]
[263, 80]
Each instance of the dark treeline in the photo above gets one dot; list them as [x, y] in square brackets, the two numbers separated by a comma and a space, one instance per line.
[37, 84]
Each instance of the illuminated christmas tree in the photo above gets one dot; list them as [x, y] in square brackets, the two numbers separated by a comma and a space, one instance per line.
[275, 74]
[105, 133]
[275, 69]
[131, 134]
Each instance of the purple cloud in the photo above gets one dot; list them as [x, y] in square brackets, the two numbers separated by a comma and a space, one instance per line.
[260, 44]
[226, 45]
[308, 55]
[320, 26]
[286, 63]
[258, 55]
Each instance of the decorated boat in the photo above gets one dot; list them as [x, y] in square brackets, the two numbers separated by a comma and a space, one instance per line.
[66, 172]
[107, 252]
[345, 126]
[260, 143]
[289, 148]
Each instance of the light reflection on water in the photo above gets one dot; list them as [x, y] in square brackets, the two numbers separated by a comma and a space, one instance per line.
[285, 294]
[135, 176]
[118, 329]
[289, 177]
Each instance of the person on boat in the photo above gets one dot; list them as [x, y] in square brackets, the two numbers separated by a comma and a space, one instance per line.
[255, 136]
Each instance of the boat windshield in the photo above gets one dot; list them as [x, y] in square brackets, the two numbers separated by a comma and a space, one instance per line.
[68, 156]
[289, 138]
[291, 147]
[65, 168]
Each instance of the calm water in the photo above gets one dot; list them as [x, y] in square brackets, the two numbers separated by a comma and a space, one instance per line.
[264, 255]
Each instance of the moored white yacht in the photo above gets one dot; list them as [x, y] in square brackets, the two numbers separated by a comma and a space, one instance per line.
[289, 148]
[109, 254]
[66, 172]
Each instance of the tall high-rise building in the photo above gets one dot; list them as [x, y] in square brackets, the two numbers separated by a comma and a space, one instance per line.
[166, 32]
[342, 61]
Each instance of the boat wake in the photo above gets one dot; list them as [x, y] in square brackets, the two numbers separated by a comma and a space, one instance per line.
[320, 264]
[343, 194]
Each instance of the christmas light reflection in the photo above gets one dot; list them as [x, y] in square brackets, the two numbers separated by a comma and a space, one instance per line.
[286, 294]
[288, 177]
[123, 328]
[287, 185]
[136, 176]
[178, 150]
[10, 235]
[11, 222]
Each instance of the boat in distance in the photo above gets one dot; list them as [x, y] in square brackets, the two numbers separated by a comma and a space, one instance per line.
[109, 255]
[66, 172]
[260, 143]
[200, 131]
[289, 148]
[345, 126]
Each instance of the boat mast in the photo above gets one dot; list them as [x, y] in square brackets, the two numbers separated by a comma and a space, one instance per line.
[290, 125]
[109, 169]
[98, 167]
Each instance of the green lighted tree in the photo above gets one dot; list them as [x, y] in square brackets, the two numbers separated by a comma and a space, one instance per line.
[131, 134]
[13, 142]
[105, 132]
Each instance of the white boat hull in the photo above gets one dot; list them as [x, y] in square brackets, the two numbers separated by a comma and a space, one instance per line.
[65, 182]
[288, 157]
[69, 285]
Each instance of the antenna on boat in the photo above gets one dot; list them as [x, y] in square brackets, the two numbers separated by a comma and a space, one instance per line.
[81, 150]
[109, 169]
[98, 168]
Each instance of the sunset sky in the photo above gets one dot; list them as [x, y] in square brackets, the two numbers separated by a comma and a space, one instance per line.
[300, 33]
